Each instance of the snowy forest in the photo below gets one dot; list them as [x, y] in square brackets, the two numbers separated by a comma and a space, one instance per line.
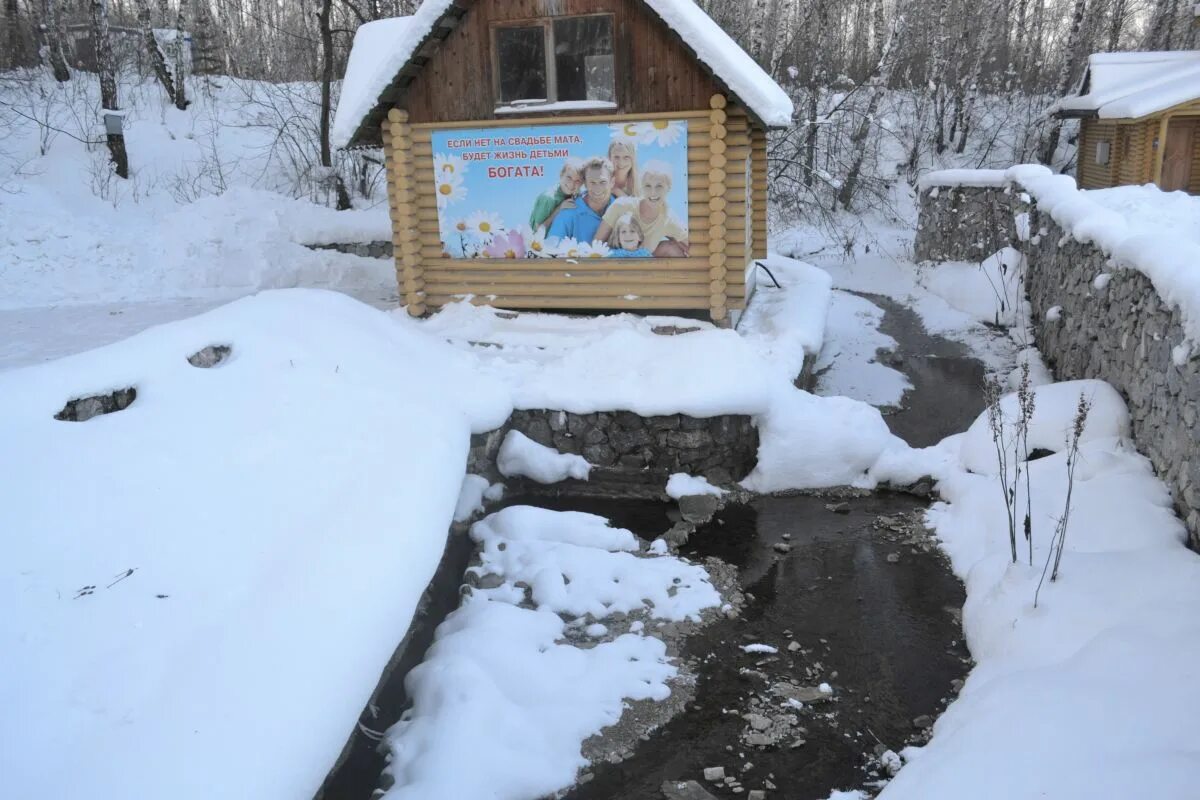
[884, 89]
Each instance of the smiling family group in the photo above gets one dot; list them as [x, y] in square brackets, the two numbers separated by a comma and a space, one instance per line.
[617, 206]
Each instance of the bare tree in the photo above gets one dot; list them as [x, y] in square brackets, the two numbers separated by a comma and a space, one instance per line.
[111, 109]
[880, 80]
[16, 37]
[51, 33]
[343, 197]
[1066, 76]
[158, 59]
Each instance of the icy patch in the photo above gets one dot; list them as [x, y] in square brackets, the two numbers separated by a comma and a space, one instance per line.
[848, 365]
[521, 456]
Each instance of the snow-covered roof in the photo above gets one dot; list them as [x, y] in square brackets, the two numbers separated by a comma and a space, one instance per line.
[383, 48]
[380, 50]
[1131, 85]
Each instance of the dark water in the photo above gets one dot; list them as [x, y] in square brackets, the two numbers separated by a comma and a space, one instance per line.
[947, 383]
[357, 773]
[887, 630]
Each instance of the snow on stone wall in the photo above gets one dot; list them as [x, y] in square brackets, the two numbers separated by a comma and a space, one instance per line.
[1091, 319]
[1113, 325]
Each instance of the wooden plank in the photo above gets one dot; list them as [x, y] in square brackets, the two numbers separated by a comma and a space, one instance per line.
[516, 122]
[597, 302]
[697, 264]
[558, 278]
[554, 289]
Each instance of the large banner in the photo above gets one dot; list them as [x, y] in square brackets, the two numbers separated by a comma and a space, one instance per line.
[563, 191]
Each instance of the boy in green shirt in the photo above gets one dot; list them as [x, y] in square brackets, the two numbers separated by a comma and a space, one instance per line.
[553, 200]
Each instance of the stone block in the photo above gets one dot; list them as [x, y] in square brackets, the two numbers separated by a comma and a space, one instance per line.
[599, 455]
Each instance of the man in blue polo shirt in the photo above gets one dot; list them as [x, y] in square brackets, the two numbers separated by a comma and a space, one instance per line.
[581, 221]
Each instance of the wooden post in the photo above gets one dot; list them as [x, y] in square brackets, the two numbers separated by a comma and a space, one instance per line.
[402, 198]
[717, 163]
[1161, 151]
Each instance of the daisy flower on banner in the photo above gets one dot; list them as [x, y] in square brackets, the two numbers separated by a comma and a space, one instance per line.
[448, 166]
[625, 130]
[661, 132]
[484, 225]
[569, 248]
[593, 250]
[540, 246]
[450, 189]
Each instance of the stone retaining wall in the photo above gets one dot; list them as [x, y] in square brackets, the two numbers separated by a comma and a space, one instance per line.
[381, 249]
[1125, 334]
[962, 223]
[1116, 329]
[632, 454]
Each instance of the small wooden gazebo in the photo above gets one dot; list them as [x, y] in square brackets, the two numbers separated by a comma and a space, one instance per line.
[1139, 120]
[567, 154]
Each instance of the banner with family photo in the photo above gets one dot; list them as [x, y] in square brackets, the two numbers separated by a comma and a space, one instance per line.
[563, 191]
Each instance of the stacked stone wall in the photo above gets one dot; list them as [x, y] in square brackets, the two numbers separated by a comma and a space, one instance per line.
[1124, 333]
[962, 223]
[381, 249]
[632, 454]
[1117, 329]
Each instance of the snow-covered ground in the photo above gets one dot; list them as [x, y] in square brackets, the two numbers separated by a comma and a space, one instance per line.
[209, 214]
[1091, 692]
[177, 573]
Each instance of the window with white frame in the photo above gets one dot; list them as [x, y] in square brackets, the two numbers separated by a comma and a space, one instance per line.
[555, 60]
[1103, 152]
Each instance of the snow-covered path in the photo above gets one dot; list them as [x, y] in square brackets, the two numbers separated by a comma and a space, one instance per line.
[36, 335]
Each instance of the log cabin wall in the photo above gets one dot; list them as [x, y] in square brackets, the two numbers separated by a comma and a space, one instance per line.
[1134, 147]
[1091, 173]
[711, 278]
[655, 72]
[656, 77]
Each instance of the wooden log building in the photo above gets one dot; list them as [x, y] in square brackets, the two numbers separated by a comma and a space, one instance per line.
[473, 87]
[1139, 121]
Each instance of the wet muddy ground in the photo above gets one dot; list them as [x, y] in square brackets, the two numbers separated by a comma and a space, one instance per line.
[947, 383]
[873, 612]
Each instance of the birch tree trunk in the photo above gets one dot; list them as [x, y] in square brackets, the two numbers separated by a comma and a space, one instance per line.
[1162, 25]
[938, 69]
[772, 26]
[1116, 24]
[343, 197]
[16, 46]
[1065, 76]
[154, 52]
[758, 30]
[206, 56]
[889, 55]
[179, 56]
[987, 43]
[52, 33]
[110, 108]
